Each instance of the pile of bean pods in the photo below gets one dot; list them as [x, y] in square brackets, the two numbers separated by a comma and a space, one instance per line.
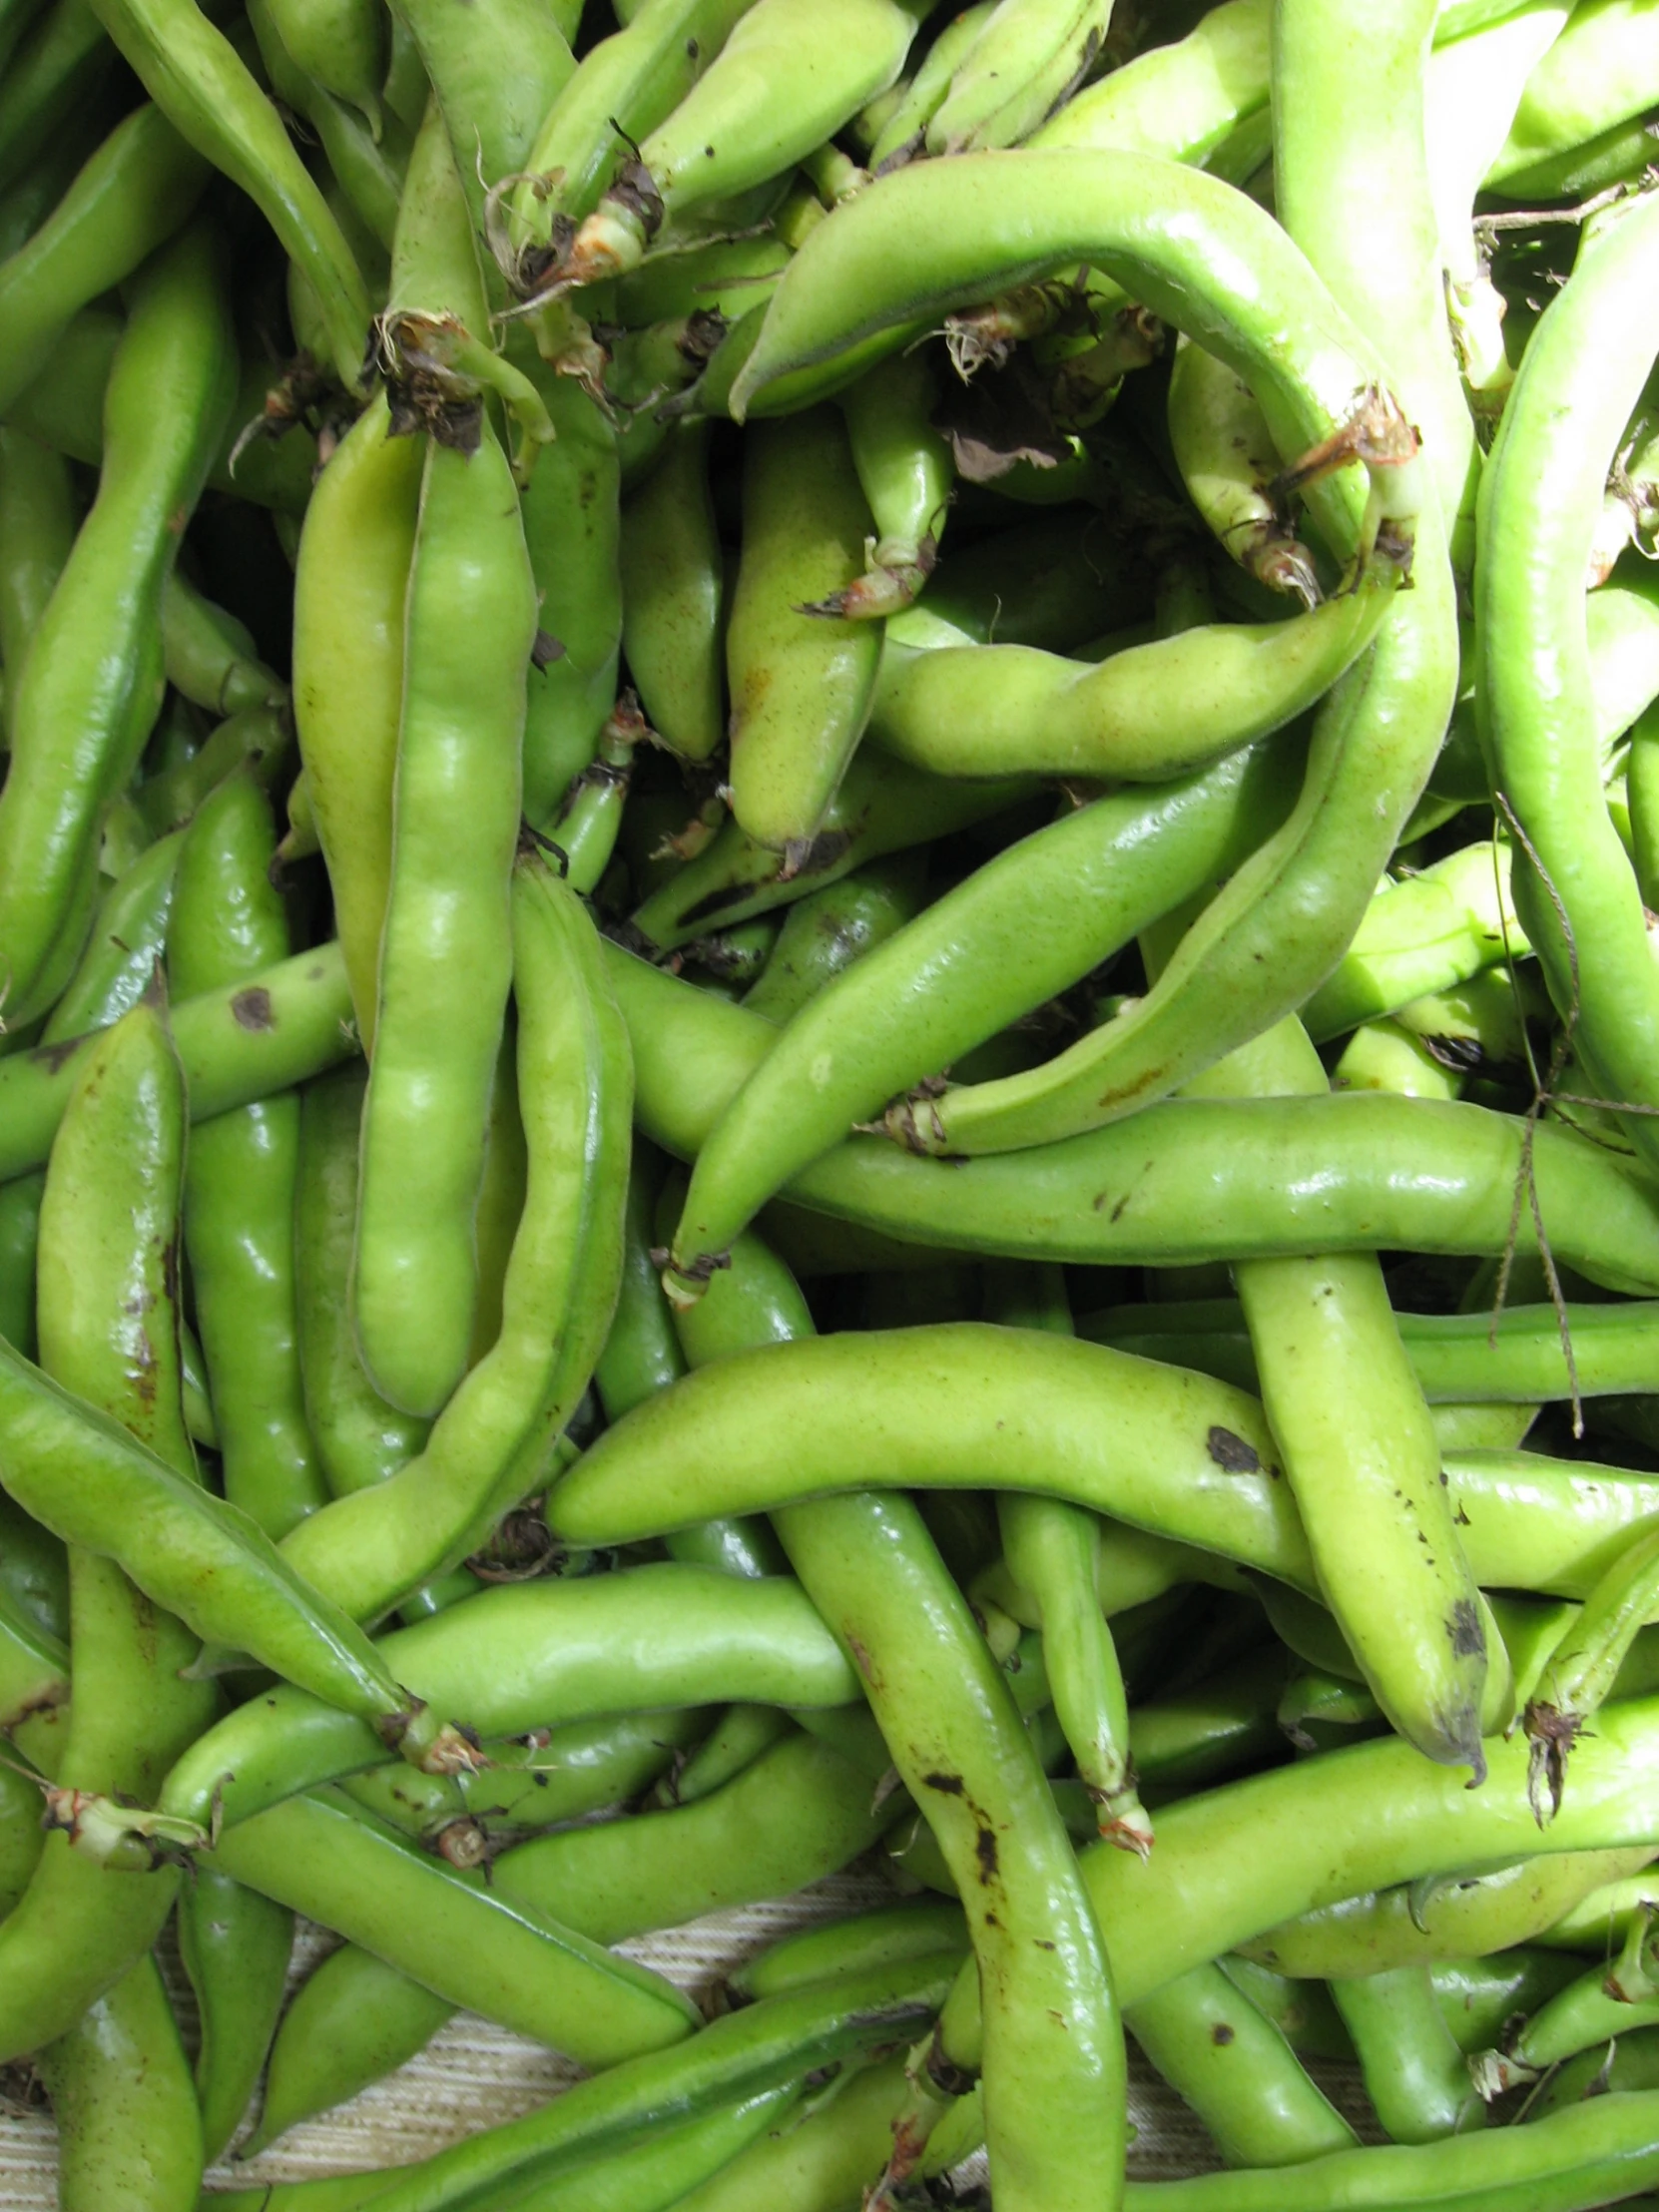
[829, 1020]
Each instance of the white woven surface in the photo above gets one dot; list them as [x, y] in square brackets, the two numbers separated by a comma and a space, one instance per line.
[473, 2073]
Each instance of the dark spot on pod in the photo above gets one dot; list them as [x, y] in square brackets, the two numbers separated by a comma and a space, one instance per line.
[1468, 1638]
[1230, 1453]
[53, 1056]
[545, 648]
[984, 1845]
[250, 1008]
[947, 1785]
[1221, 2034]
[947, 2077]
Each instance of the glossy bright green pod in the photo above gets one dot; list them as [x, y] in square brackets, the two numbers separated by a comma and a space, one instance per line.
[1414, 2072]
[881, 807]
[258, 738]
[1021, 930]
[446, 948]
[130, 198]
[783, 82]
[210, 655]
[739, 2055]
[1236, 2073]
[1148, 714]
[1026, 60]
[201, 84]
[623, 88]
[127, 942]
[351, 2021]
[824, 2161]
[82, 718]
[1454, 919]
[955, 1738]
[544, 1780]
[228, 923]
[359, 1438]
[37, 529]
[494, 74]
[538, 1655]
[917, 1927]
[1601, 71]
[673, 589]
[797, 1812]
[129, 2135]
[468, 1942]
[234, 1944]
[801, 687]
[1227, 460]
[339, 43]
[1368, 1480]
[573, 528]
[1180, 99]
[1541, 495]
[1477, 1995]
[1348, 84]
[1627, 2063]
[287, 1025]
[34, 1667]
[108, 1328]
[64, 59]
[1407, 1173]
[350, 590]
[190, 1553]
[495, 1442]
[1197, 253]
[1377, 1930]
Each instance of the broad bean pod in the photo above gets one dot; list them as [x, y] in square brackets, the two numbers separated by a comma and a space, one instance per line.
[536, 1655]
[83, 716]
[495, 1440]
[989, 952]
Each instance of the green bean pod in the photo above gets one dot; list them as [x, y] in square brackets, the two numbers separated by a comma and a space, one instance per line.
[109, 1261]
[127, 943]
[800, 690]
[1453, 919]
[37, 530]
[1020, 930]
[351, 2023]
[446, 947]
[34, 1669]
[228, 923]
[1235, 2070]
[351, 589]
[494, 74]
[129, 2136]
[129, 199]
[905, 468]
[361, 1440]
[786, 80]
[495, 1443]
[210, 655]
[234, 1944]
[1148, 714]
[1543, 496]
[201, 84]
[82, 718]
[902, 134]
